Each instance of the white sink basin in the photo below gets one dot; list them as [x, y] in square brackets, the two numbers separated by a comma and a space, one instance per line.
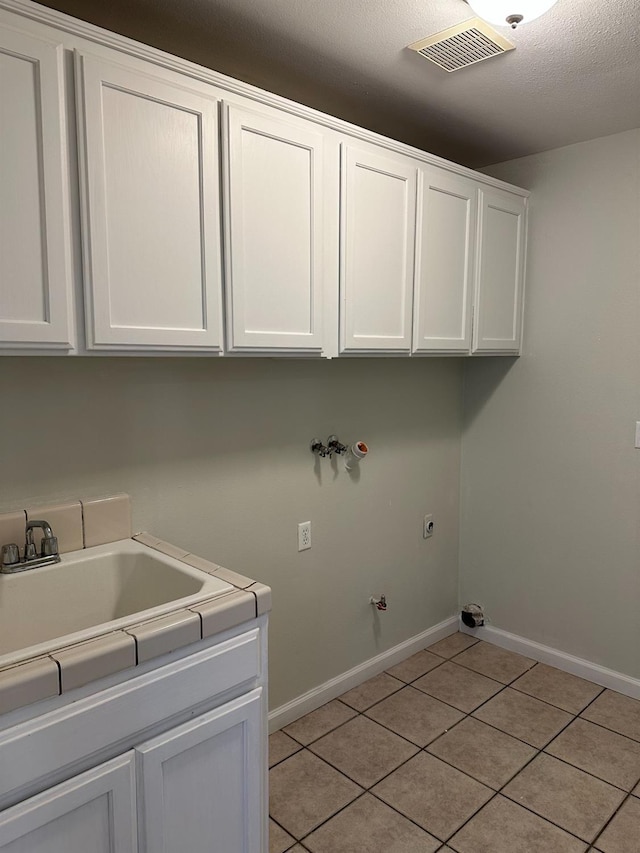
[92, 592]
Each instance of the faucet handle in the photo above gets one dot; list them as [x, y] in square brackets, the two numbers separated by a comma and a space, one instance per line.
[318, 447]
[10, 555]
[50, 546]
[335, 446]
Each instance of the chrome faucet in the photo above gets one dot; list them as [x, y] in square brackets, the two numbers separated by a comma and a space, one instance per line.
[49, 541]
[10, 560]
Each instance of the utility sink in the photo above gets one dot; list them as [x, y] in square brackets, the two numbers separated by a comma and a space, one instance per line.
[92, 592]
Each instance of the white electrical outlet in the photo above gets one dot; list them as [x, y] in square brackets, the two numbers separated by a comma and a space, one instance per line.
[304, 536]
[427, 527]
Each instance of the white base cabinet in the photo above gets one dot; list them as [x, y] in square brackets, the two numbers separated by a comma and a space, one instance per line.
[174, 759]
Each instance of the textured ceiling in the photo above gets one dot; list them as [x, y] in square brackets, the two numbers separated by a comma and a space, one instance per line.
[575, 74]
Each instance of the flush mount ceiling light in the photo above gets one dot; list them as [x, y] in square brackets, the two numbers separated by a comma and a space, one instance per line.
[510, 12]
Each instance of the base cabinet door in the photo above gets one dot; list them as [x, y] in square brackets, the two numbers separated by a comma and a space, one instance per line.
[201, 784]
[444, 262]
[92, 813]
[151, 232]
[378, 209]
[35, 279]
[499, 272]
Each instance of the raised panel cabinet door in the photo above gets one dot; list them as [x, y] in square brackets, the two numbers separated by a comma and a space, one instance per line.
[94, 812]
[444, 262]
[149, 178]
[378, 221]
[274, 260]
[35, 277]
[202, 783]
[499, 272]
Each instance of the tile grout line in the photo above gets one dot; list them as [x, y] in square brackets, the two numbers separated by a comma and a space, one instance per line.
[629, 794]
[540, 751]
[602, 830]
[495, 792]
[377, 782]
[420, 749]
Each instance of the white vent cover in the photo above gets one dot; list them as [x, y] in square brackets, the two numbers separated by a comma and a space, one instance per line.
[462, 45]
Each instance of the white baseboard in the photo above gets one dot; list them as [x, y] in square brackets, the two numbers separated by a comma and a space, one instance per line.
[313, 699]
[561, 660]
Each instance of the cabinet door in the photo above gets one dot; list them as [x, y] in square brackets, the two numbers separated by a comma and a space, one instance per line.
[499, 272]
[35, 283]
[274, 261]
[151, 210]
[91, 813]
[444, 262]
[378, 210]
[202, 783]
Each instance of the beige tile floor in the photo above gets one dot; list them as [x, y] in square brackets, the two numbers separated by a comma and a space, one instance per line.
[463, 747]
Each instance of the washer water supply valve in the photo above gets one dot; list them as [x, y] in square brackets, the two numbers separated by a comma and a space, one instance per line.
[379, 603]
[334, 446]
[318, 447]
[352, 453]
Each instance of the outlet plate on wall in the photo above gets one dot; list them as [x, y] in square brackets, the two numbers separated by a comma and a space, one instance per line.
[304, 536]
[427, 526]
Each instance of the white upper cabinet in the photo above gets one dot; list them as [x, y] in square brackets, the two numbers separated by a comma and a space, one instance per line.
[378, 217]
[499, 272]
[336, 241]
[445, 245]
[150, 183]
[275, 208]
[35, 280]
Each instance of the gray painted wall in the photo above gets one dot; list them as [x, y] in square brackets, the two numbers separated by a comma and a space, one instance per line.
[215, 455]
[550, 522]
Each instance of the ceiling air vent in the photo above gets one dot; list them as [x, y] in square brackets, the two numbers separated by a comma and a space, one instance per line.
[462, 45]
